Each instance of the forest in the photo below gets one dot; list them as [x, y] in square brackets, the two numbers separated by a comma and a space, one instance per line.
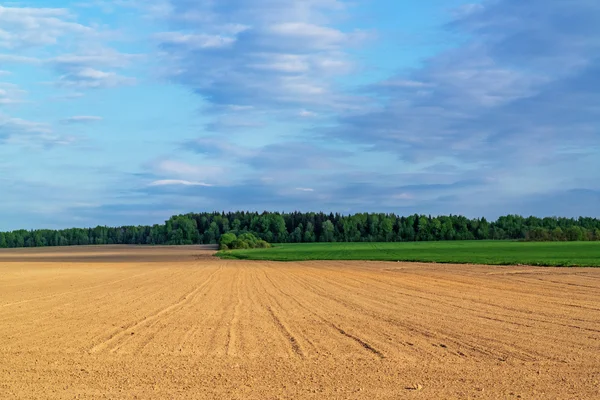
[297, 227]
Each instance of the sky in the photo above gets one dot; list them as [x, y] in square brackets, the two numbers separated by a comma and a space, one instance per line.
[119, 112]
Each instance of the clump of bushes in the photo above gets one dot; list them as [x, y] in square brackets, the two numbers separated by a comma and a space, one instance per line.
[230, 241]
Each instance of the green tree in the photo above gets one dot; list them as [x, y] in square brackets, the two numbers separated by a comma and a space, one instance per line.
[309, 234]
[574, 233]
[296, 236]
[226, 240]
[327, 232]
[386, 229]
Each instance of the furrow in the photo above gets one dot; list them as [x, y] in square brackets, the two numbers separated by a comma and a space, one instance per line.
[112, 343]
[287, 334]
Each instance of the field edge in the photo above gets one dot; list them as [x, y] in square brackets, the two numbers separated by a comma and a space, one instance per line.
[500, 253]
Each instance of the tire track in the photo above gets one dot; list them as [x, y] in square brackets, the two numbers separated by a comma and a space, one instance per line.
[358, 340]
[497, 309]
[265, 309]
[284, 329]
[260, 330]
[149, 337]
[435, 337]
[146, 295]
[36, 329]
[286, 333]
[112, 343]
[363, 343]
[218, 340]
[73, 291]
[232, 334]
[529, 317]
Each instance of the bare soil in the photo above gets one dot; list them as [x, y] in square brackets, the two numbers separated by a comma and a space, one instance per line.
[177, 323]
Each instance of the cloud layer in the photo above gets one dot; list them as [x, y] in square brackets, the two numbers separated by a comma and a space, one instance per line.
[262, 54]
[178, 105]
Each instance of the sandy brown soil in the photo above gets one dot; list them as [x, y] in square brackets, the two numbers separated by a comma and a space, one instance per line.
[189, 326]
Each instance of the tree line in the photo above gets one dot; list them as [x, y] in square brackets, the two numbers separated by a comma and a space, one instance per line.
[297, 227]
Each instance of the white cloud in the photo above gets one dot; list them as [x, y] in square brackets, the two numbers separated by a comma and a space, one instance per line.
[404, 83]
[187, 172]
[403, 196]
[93, 69]
[11, 94]
[56, 30]
[90, 78]
[297, 86]
[16, 59]
[275, 55]
[307, 114]
[315, 36]
[305, 189]
[102, 57]
[199, 41]
[26, 133]
[506, 103]
[299, 64]
[287, 63]
[68, 96]
[8, 124]
[467, 10]
[26, 27]
[171, 182]
[217, 147]
[81, 119]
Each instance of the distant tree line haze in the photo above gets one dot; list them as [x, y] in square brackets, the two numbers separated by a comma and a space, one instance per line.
[296, 227]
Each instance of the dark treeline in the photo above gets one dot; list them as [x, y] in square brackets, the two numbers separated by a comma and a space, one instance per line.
[207, 228]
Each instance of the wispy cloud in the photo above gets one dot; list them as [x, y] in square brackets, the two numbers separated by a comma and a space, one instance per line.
[11, 94]
[194, 41]
[94, 66]
[284, 156]
[170, 182]
[91, 70]
[30, 134]
[90, 78]
[81, 119]
[307, 114]
[17, 59]
[176, 172]
[283, 104]
[272, 56]
[100, 58]
[518, 91]
[12, 126]
[22, 27]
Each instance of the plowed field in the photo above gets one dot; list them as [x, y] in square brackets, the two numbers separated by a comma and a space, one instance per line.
[122, 323]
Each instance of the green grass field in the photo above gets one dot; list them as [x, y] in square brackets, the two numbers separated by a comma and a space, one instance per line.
[584, 254]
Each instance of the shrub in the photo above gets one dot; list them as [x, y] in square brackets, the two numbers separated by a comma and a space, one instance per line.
[226, 241]
[245, 241]
[240, 244]
[261, 244]
[249, 238]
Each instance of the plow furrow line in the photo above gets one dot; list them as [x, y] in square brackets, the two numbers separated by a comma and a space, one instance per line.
[113, 341]
[363, 343]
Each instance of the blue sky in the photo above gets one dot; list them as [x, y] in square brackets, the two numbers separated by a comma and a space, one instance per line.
[128, 111]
